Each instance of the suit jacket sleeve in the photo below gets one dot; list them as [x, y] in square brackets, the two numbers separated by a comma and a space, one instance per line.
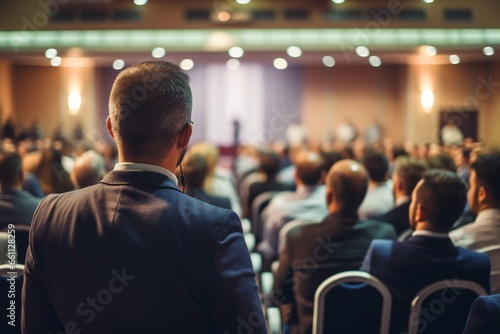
[234, 302]
[479, 320]
[38, 313]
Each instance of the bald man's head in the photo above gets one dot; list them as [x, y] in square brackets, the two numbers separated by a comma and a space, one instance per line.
[310, 168]
[88, 170]
[346, 184]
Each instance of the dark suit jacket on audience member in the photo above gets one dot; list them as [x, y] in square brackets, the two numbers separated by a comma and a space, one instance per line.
[406, 267]
[218, 201]
[484, 316]
[261, 187]
[315, 252]
[17, 206]
[397, 217]
[153, 259]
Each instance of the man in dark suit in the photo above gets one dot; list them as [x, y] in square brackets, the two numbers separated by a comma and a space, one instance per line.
[133, 254]
[315, 252]
[407, 172]
[16, 205]
[429, 255]
[484, 315]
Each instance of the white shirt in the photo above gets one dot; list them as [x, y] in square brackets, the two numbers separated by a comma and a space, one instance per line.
[131, 166]
[379, 199]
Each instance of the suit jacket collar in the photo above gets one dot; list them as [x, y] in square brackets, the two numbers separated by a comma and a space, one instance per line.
[341, 218]
[139, 178]
[439, 243]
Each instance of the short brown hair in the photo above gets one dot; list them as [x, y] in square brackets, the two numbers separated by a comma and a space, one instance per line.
[149, 103]
[409, 170]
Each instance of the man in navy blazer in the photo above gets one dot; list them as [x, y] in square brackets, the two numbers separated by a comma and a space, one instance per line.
[133, 254]
[484, 316]
[429, 255]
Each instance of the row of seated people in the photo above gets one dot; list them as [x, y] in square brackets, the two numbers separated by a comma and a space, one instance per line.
[343, 241]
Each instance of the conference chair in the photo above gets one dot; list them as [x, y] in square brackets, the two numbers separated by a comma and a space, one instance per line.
[443, 307]
[258, 205]
[11, 284]
[352, 302]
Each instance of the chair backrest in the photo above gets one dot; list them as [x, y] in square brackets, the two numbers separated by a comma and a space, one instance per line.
[336, 301]
[443, 306]
[259, 204]
[289, 226]
[493, 253]
[11, 283]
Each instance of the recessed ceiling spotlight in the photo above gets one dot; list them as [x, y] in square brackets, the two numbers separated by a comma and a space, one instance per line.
[280, 63]
[186, 64]
[454, 59]
[328, 61]
[338, 1]
[294, 51]
[158, 52]
[428, 1]
[489, 51]
[430, 51]
[51, 53]
[243, 2]
[140, 2]
[362, 51]
[56, 61]
[233, 64]
[118, 64]
[375, 61]
[236, 52]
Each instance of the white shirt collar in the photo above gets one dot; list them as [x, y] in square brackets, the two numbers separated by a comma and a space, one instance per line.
[402, 200]
[131, 166]
[429, 234]
[488, 216]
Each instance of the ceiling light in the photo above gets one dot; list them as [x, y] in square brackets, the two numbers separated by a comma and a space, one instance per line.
[328, 61]
[140, 2]
[489, 51]
[233, 64]
[294, 51]
[158, 52]
[51, 53]
[338, 1]
[280, 63]
[375, 61]
[427, 99]
[243, 2]
[428, 1]
[186, 64]
[454, 59]
[223, 16]
[236, 52]
[118, 64]
[56, 61]
[362, 51]
[430, 51]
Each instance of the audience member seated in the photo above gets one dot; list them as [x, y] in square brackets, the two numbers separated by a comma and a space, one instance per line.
[484, 200]
[339, 243]
[407, 172]
[219, 182]
[31, 185]
[89, 169]
[195, 170]
[462, 161]
[269, 167]
[307, 202]
[16, 205]
[484, 315]
[287, 174]
[429, 255]
[442, 161]
[379, 199]
[51, 174]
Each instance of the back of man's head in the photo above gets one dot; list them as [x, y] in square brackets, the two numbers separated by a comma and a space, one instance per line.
[269, 163]
[347, 181]
[442, 196]
[408, 172]
[195, 169]
[10, 170]
[442, 161]
[487, 171]
[309, 168]
[149, 104]
[376, 165]
[88, 170]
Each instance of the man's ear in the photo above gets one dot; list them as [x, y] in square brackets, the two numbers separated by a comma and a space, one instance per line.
[482, 195]
[420, 214]
[110, 129]
[185, 136]
[329, 196]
